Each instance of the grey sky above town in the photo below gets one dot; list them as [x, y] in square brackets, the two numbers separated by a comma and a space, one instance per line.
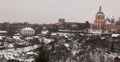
[49, 11]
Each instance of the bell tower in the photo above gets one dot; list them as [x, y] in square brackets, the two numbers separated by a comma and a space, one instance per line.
[99, 18]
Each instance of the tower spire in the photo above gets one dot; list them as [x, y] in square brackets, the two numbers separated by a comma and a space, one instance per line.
[100, 8]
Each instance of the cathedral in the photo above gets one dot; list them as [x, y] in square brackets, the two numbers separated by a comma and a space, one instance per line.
[101, 22]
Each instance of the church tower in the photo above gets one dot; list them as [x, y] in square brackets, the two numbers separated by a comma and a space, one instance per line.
[103, 24]
[99, 19]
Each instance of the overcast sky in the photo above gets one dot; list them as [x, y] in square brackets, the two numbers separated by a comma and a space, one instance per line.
[49, 11]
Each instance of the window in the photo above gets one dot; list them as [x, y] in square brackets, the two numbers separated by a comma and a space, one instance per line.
[98, 17]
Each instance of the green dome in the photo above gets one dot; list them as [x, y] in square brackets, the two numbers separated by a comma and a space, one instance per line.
[100, 12]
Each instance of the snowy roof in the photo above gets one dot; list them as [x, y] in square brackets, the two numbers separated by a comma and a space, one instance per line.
[44, 32]
[30, 53]
[17, 34]
[35, 36]
[28, 38]
[115, 35]
[108, 22]
[54, 33]
[16, 37]
[27, 28]
[3, 31]
[47, 40]
[10, 45]
[66, 44]
[35, 46]
[1, 38]
[29, 60]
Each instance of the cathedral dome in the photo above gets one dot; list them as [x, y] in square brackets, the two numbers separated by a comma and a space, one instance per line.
[100, 12]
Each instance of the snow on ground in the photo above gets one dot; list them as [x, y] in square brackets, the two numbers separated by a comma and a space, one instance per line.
[46, 40]
[10, 53]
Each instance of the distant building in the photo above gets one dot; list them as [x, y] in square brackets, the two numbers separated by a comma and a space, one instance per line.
[46, 25]
[102, 23]
[16, 27]
[61, 21]
[118, 22]
[62, 24]
[27, 31]
[3, 33]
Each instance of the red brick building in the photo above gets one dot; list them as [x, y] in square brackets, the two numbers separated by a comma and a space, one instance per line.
[102, 23]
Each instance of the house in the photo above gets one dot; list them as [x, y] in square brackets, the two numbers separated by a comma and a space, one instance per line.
[3, 33]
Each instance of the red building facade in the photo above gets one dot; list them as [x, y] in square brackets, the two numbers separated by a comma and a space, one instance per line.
[102, 23]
